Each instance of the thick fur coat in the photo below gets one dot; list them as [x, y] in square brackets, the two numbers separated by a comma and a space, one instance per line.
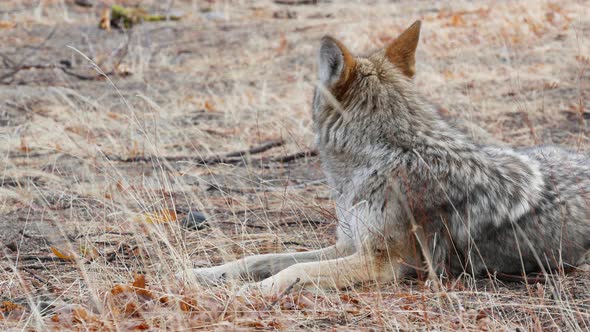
[415, 194]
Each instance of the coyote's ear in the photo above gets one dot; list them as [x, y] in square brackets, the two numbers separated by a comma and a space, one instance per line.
[402, 51]
[335, 62]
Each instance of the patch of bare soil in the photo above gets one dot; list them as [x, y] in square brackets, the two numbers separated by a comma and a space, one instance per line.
[109, 138]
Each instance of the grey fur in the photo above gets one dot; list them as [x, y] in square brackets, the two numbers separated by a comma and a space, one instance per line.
[330, 60]
[410, 189]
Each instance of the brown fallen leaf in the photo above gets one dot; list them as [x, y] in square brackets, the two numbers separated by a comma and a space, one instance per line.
[457, 20]
[81, 315]
[118, 289]
[7, 24]
[113, 115]
[209, 106]
[105, 20]
[64, 255]
[8, 306]
[10, 310]
[283, 44]
[158, 217]
[90, 253]
[187, 304]
[141, 326]
[139, 286]
[24, 147]
[131, 310]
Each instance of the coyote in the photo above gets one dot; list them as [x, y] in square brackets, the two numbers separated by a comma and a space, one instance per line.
[415, 194]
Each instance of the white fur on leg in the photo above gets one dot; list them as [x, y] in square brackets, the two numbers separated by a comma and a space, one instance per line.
[335, 273]
[262, 266]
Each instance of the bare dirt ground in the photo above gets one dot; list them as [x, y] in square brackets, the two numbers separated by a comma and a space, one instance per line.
[98, 170]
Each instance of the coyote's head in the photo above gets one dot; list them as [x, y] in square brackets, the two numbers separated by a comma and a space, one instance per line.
[369, 101]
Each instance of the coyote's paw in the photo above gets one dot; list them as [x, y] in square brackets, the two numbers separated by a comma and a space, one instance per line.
[258, 289]
[272, 286]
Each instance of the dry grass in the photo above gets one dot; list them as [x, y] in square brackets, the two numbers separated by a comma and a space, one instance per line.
[228, 76]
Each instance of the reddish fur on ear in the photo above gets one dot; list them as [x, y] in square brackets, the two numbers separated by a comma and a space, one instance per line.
[402, 51]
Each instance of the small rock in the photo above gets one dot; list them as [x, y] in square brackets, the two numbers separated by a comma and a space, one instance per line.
[66, 63]
[214, 15]
[85, 3]
[194, 220]
[12, 246]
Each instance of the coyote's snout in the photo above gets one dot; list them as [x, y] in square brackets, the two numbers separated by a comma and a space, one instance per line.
[411, 191]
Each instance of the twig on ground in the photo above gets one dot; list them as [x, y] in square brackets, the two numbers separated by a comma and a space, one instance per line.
[257, 149]
[294, 156]
[103, 233]
[30, 266]
[284, 159]
[304, 221]
[235, 157]
[223, 189]
[37, 258]
[16, 67]
[63, 68]
[84, 77]
[8, 62]
[33, 237]
[242, 224]
[296, 2]
[35, 276]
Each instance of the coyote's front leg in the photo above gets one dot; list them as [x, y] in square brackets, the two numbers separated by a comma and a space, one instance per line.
[259, 267]
[336, 273]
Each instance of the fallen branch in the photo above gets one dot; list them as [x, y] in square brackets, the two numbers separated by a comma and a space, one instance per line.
[65, 69]
[235, 157]
[35, 258]
[304, 221]
[32, 237]
[64, 66]
[35, 276]
[296, 2]
[18, 66]
[242, 224]
[294, 156]
[85, 77]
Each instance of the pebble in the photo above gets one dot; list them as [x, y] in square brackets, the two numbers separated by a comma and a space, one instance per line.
[85, 3]
[194, 220]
